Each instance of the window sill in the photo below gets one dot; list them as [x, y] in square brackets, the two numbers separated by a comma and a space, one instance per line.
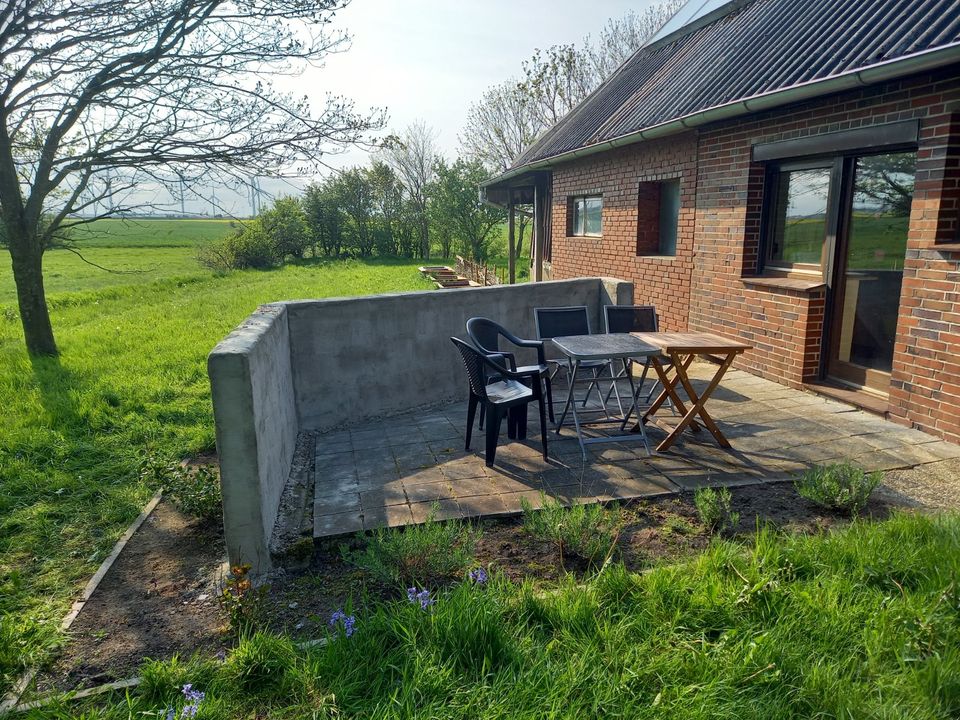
[946, 247]
[782, 283]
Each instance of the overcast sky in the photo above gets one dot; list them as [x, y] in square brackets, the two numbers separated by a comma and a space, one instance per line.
[430, 59]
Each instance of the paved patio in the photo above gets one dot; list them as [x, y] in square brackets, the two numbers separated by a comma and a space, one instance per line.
[394, 471]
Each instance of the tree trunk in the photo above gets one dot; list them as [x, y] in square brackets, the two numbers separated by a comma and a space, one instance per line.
[26, 255]
[424, 239]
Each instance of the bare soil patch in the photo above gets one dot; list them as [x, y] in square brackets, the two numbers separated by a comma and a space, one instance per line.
[157, 600]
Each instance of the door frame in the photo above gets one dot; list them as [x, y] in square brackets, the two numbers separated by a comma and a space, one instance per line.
[869, 380]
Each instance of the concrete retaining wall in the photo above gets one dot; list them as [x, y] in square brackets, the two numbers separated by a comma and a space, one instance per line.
[317, 364]
[356, 358]
[256, 422]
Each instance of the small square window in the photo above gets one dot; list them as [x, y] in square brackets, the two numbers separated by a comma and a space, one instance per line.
[587, 216]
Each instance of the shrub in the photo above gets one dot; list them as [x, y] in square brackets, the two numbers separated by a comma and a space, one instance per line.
[250, 247]
[418, 554]
[842, 486]
[193, 489]
[713, 507]
[587, 531]
[285, 225]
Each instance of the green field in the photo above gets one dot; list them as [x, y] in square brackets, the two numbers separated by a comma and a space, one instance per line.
[876, 242]
[131, 380]
[134, 251]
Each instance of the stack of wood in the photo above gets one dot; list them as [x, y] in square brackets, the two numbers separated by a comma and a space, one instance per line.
[444, 276]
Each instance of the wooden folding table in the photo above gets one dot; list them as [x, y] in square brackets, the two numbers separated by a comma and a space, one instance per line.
[681, 349]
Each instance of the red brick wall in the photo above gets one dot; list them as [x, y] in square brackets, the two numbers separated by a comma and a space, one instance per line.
[660, 281]
[718, 241]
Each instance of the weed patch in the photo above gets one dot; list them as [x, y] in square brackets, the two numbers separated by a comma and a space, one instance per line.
[586, 531]
[842, 486]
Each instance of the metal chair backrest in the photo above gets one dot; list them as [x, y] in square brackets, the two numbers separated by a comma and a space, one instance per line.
[630, 318]
[485, 333]
[559, 321]
[473, 361]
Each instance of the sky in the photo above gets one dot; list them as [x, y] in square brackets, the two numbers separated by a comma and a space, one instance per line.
[430, 59]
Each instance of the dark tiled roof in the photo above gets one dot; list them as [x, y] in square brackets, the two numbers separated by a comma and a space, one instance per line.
[756, 48]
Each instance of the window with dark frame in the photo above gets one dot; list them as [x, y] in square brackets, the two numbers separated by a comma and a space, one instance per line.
[586, 216]
[799, 205]
[658, 217]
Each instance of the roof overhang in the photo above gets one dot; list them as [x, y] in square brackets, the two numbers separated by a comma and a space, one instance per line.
[868, 75]
[518, 189]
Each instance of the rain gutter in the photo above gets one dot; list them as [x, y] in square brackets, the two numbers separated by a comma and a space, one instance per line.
[869, 75]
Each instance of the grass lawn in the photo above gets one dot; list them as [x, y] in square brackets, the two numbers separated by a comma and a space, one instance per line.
[131, 381]
[860, 623]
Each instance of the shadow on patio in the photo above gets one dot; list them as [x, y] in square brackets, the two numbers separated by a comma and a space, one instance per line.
[395, 471]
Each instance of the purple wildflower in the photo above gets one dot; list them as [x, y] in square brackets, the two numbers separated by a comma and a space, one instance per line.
[479, 576]
[194, 698]
[419, 595]
[348, 621]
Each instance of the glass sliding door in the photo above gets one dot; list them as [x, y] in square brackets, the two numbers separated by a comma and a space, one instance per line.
[869, 268]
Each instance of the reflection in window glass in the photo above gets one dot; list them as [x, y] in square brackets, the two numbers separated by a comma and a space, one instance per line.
[669, 216]
[587, 216]
[799, 225]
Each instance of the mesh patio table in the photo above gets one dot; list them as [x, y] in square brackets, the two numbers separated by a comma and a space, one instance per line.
[613, 347]
[682, 348]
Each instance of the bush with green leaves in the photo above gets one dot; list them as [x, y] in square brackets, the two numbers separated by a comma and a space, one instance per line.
[193, 489]
[587, 531]
[251, 247]
[714, 509]
[425, 554]
[841, 486]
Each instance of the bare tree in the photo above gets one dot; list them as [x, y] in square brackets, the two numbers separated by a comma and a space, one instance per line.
[101, 97]
[622, 37]
[500, 126]
[412, 156]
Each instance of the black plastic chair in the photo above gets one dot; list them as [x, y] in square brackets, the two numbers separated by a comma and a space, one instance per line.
[507, 396]
[554, 322]
[486, 334]
[635, 318]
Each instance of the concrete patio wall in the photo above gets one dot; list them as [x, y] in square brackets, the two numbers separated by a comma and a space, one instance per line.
[355, 358]
[256, 424]
[317, 364]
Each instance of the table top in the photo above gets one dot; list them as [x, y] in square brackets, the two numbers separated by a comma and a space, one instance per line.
[693, 342]
[605, 346]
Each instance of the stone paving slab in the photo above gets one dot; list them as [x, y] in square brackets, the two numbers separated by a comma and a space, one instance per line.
[396, 472]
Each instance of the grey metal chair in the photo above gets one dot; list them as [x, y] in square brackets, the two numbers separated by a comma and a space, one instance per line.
[486, 334]
[635, 318]
[507, 396]
[554, 322]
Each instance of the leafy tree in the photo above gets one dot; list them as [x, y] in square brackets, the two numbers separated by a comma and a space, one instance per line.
[355, 199]
[101, 97]
[324, 218]
[457, 204]
[888, 180]
[285, 224]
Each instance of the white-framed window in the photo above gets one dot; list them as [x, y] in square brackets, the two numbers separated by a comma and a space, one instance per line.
[586, 215]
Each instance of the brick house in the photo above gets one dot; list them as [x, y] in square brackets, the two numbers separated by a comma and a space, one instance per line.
[785, 172]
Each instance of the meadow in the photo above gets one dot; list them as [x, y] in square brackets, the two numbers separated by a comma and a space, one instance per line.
[131, 382]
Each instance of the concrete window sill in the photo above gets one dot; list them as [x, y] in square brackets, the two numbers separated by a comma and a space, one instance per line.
[782, 283]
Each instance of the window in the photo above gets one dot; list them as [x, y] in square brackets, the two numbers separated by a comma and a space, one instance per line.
[798, 222]
[658, 215]
[587, 214]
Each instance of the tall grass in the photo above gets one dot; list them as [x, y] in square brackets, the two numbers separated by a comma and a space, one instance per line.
[862, 623]
[131, 381]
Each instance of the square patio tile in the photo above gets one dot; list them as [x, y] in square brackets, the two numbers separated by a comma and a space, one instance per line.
[390, 516]
[335, 503]
[474, 487]
[337, 524]
[482, 505]
[444, 509]
[428, 492]
[470, 467]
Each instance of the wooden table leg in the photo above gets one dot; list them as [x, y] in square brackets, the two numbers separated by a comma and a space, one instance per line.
[698, 404]
[669, 390]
